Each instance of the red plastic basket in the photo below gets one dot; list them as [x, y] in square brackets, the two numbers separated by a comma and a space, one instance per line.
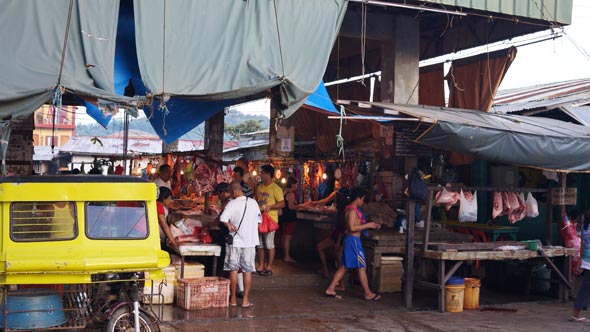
[202, 293]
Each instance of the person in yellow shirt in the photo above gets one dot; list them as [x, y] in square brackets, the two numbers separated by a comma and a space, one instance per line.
[270, 199]
[63, 226]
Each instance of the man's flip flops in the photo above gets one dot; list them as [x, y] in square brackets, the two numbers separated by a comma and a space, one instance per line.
[336, 296]
[377, 297]
[579, 319]
[248, 305]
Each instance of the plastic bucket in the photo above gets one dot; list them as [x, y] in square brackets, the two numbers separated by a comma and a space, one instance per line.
[471, 299]
[454, 293]
[29, 309]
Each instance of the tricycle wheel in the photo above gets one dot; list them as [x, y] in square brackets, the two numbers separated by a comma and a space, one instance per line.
[122, 321]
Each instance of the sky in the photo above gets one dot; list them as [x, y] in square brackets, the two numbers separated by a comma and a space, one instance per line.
[555, 60]
[543, 62]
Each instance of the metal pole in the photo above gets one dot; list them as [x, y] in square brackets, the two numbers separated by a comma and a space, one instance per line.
[125, 141]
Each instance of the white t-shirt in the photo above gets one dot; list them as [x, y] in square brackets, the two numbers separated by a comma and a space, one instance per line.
[247, 235]
[161, 183]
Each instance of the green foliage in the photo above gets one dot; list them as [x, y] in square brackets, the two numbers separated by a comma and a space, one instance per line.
[235, 123]
[248, 126]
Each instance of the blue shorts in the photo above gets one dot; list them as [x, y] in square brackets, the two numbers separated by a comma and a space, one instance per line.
[353, 256]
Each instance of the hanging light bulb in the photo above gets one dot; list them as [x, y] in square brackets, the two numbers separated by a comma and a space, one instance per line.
[283, 180]
[153, 170]
[181, 172]
[254, 173]
[324, 176]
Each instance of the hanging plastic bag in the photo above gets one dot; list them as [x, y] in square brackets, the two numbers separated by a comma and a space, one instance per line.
[467, 206]
[571, 239]
[268, 225]
[532, 208]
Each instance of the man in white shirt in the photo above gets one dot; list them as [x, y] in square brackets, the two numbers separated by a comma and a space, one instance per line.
[164, 177]
[241, 216]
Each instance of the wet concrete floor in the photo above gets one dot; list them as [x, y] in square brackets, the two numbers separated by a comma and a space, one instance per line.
[307, 310]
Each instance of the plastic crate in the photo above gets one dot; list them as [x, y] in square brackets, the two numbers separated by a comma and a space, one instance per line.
[202, 293]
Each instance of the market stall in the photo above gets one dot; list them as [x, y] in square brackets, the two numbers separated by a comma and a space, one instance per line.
[442, 253]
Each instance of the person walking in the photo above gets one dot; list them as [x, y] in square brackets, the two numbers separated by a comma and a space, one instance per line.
[353, 256]
[583, 298]
[270, 199]
[241, 216]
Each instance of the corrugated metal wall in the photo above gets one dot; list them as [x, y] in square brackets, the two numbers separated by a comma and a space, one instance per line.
[548, 10]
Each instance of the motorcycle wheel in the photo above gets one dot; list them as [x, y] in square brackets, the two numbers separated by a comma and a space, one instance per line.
[122, 321]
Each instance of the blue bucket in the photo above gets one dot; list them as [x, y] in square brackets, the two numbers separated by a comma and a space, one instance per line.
[32, 309]
[456, 281]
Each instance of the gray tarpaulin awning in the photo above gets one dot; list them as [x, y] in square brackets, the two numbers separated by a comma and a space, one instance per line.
[512, 139]
[196, 50]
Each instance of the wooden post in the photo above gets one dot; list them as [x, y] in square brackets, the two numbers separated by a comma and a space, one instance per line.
[427, 221]
[214, 136]
[549, 221]
[409, 259]
[410, 163]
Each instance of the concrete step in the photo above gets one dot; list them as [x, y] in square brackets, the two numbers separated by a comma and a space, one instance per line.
[287, 280]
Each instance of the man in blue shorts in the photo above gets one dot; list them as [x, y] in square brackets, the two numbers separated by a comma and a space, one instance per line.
[353, 256]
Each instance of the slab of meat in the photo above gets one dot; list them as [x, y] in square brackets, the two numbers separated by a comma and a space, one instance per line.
[517, 207]
[506, 203]
[498, 208]
[446, 198]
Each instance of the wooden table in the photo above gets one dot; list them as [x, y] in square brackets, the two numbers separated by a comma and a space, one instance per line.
[198, 249]
[322, 219]
[384, 242]
[486, 253]
[494, 230]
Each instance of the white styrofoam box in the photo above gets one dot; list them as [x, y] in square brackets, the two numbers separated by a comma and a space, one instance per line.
[191, 270]
[167, 287]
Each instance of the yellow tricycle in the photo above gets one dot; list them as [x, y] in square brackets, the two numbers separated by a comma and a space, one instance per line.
[76, 250]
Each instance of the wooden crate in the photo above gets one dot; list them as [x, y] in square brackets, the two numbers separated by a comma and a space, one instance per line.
[202, 293]
[390, 274]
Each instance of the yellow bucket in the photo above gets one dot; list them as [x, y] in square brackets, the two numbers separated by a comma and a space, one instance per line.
[454, 298]
[471, 300]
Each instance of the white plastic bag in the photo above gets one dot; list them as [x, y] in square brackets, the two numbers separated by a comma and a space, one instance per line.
[467, 207]
[532, 208]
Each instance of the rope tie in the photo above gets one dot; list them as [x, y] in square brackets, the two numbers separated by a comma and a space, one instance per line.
[363, 38]
[339, 138]
[56, 104]
[283, 79]
[164, 109]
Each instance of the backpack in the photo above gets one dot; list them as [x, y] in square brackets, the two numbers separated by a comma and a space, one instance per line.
[417, 186]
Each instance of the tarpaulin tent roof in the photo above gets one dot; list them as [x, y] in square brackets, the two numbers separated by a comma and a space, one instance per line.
[520, 140]
[207, 51]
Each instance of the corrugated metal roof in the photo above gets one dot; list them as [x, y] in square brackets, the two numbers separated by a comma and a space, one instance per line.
[43, 153]
[544, 96]
[549, 10]
[580, 114]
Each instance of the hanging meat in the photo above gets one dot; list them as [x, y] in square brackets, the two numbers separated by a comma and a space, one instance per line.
[506, 203]
[446, 198]
[205, 177]
[498, 209]
[517, 209]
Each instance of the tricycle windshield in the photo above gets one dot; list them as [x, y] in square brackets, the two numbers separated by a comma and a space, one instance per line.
[116, 220]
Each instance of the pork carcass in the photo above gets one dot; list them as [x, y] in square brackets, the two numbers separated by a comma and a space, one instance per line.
[498, 208]
[446, 198]
[517, 207]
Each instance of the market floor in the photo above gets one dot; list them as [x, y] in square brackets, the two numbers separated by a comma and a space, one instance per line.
[307, 310]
